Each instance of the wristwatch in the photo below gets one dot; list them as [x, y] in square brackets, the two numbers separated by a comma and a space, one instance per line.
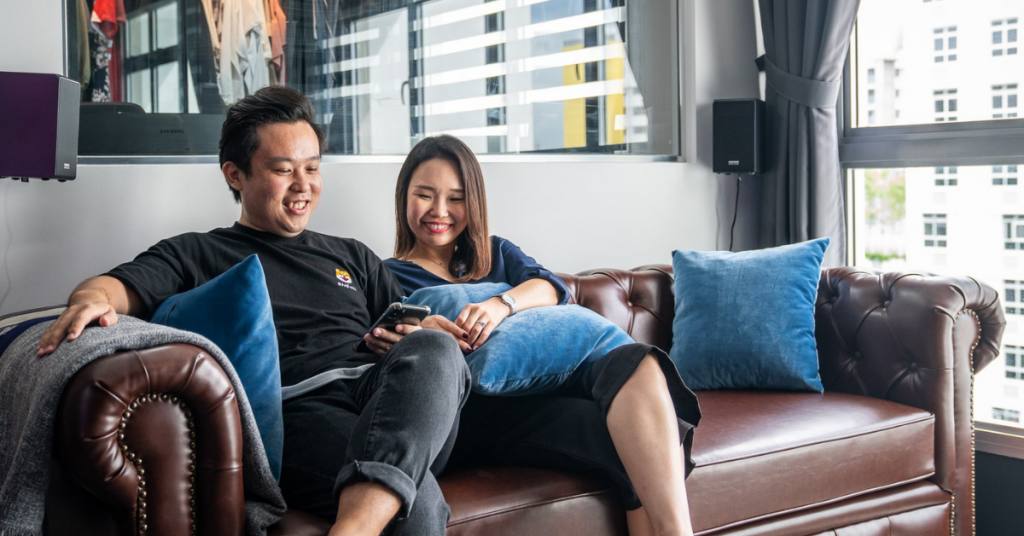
[509, 301]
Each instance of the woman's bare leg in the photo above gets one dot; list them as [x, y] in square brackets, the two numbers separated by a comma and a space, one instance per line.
[643, 426]
[638, 523]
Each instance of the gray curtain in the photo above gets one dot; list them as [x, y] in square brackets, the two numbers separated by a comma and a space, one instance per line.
[806, 42]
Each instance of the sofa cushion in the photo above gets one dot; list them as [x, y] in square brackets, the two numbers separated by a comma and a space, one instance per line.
[772, 453]
[233, 310]
[746, 320]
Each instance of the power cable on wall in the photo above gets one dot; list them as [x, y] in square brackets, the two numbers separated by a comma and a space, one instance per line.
[735, 211]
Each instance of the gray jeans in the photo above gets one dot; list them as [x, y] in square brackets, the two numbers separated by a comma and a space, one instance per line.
[394, 425]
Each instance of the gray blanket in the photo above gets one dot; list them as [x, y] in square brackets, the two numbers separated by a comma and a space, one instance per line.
[30, 389]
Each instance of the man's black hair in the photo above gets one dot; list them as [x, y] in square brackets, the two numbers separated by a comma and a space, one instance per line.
[269, 105]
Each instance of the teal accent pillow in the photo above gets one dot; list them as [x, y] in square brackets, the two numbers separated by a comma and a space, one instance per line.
[746, 320]
[532, 352]
[233, 310]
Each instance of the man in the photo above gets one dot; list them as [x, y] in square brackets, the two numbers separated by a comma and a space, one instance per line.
[363, 451]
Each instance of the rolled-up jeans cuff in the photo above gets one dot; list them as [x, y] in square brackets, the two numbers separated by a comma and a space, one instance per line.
[386, 475]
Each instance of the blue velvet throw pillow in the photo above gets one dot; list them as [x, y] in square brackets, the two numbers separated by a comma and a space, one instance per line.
[746, 320]
[233, 311]
[532, 352]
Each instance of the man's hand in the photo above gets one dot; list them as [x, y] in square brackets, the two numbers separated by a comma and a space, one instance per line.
[73, 320]
[381, 340]
[480, 319]
[99, 300]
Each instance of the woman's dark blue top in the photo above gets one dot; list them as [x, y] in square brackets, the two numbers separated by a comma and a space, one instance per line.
[508, 265]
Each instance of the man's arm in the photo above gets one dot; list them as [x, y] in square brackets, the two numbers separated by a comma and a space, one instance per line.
[99, 299]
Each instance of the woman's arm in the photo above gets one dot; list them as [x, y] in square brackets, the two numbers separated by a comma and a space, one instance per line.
[480, 319]
[531, 293]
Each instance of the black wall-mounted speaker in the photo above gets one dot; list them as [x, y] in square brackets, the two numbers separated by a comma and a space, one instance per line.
[737, 135]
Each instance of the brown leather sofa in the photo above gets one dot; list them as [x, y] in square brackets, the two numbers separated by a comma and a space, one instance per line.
[886, 450]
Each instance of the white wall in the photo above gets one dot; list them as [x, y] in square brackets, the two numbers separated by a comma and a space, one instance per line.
[570, 216]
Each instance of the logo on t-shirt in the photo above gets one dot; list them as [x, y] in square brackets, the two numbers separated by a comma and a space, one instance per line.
[344, 279]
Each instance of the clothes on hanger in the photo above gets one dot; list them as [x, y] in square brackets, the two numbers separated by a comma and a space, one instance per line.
[104, 54]
[83, 59]
[98, 89]
[244, 49]
[277, 22]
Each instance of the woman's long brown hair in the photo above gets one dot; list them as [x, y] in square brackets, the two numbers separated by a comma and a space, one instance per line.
[472, 257]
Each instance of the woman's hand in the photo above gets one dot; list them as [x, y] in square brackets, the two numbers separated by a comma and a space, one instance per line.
[480, 319]
[441, 323]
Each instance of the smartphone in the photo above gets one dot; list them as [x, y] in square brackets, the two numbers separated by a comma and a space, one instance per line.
[396, 313]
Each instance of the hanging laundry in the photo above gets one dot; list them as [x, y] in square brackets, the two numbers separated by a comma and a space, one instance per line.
[109, 13]
[277, 22]
[212, 9]
[106, 14]
[245, 49]
[83, 57]
[98, 89]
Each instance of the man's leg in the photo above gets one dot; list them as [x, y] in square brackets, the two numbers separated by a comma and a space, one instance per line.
[404, 433]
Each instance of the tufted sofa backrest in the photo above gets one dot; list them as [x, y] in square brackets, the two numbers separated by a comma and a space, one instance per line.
[853, 309]
[640, 301]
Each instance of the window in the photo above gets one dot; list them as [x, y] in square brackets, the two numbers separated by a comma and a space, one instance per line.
[942, 180]
[560, 76]
[935, 230]
[1013, 231]
[1010, 28]
[945, 102]
[871, 96]
[1014, 362]
[900, 170]
[1011, 291]
[1004, 95]
[871, 76]
[1008, 178]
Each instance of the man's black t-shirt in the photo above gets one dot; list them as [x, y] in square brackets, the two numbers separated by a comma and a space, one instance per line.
[325, 291]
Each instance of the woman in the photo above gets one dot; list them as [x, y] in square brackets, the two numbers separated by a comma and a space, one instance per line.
[626, 414]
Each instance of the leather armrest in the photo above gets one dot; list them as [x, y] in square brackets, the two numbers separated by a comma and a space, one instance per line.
[916, 340]
[156, 436]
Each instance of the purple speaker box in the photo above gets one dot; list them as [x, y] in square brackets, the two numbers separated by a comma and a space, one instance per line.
[38, 126]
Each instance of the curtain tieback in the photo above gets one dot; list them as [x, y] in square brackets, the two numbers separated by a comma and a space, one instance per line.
[805, 91]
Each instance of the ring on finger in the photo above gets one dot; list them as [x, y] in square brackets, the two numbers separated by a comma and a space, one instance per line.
[483, 323]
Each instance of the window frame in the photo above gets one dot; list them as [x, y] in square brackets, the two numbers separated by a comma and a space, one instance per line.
[205, 128]
[968, 143]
